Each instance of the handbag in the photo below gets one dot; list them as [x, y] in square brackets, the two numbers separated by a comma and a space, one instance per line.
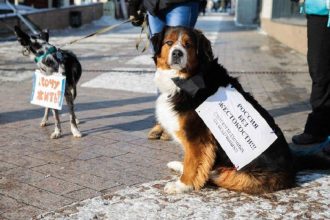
[317, 7]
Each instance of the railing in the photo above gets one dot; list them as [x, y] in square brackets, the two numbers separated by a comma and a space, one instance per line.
[24, 20]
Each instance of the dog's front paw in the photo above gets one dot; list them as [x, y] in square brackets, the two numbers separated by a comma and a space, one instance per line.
[43, 123]
[55, 135]
[177, 187]
[76, 133]
[177, 166]
[77, 121]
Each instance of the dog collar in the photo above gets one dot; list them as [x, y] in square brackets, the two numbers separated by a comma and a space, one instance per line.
[49, 51]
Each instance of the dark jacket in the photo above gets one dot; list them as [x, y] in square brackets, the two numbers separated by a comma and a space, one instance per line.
[153, 6]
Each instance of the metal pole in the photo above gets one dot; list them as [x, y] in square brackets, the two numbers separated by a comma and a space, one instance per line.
[26, 22]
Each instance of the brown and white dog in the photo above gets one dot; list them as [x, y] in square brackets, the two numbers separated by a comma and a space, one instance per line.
[182, 53]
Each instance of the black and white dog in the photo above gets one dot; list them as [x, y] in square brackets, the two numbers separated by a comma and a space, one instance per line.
[51, 60]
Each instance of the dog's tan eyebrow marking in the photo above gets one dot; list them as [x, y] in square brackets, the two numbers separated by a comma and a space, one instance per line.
[180, 38]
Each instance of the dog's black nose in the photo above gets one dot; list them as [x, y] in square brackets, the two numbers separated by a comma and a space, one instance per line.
[177, 53]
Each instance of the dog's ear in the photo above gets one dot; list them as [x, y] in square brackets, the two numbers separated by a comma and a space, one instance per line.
[44, 35]
[22, 37]
[157, 41]
[204, 48]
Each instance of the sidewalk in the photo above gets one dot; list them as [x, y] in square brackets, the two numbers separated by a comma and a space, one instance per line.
[113, 158]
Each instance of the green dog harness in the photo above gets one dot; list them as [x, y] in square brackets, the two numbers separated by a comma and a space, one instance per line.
[49, 51]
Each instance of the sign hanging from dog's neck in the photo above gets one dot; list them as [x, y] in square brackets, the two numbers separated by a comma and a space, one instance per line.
[48, 91]
[241, 131]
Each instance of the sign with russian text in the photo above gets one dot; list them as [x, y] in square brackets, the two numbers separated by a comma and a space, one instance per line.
[239, 128]
[48, 91]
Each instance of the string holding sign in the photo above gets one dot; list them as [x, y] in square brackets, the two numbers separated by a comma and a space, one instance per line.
[48, 91]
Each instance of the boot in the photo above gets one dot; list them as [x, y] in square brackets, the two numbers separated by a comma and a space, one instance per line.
[306, 139]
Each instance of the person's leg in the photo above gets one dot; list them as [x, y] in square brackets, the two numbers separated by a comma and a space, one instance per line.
[317, 127]
[184, 14]
[156, 23]
[318, 122]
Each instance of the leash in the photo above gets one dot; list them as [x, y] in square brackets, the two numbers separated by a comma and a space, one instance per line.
[104, 30]
[101, 31]
[144, 29]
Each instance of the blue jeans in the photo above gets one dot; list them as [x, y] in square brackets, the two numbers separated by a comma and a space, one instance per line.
[183, 14]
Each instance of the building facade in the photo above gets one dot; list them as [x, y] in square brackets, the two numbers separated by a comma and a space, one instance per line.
[54, 3]
[282, 20]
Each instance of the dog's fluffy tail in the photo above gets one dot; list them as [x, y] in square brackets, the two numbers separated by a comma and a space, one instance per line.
[252, 182]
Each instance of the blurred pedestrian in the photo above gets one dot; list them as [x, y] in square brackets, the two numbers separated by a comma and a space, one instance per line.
[161, 13]
[317, 127]
[202, 6]
[216, 5]
[224, 5]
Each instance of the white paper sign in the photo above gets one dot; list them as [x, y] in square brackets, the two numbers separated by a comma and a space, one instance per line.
[239, 128]
[48, 91]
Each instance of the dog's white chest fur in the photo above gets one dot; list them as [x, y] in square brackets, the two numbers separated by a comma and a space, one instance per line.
[165, 113]
[164, 82]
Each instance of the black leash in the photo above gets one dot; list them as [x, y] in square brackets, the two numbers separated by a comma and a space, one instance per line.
[101, 31]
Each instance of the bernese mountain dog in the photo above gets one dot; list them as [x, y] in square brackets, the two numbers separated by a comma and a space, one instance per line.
[186, 75]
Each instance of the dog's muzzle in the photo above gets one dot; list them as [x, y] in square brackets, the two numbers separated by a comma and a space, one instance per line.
[177, 56]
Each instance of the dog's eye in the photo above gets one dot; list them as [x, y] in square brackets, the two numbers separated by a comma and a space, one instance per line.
[188, 45]
[169, 43]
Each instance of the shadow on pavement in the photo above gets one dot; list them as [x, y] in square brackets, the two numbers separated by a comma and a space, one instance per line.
[289, 109]
[138, 125]
[14, 116]
[121, 114]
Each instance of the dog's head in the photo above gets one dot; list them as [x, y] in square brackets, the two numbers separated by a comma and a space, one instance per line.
[182, 49]
[47, 57]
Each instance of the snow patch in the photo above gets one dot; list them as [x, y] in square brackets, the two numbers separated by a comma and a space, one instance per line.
[148, 201]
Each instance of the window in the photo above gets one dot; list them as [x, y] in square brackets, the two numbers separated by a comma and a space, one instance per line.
[286, 11]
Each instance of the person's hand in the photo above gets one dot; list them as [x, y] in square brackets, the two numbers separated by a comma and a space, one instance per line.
[137, 19]
[136, 12]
